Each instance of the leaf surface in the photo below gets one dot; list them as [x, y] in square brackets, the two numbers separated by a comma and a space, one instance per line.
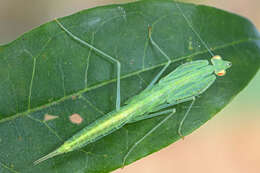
[46, 77]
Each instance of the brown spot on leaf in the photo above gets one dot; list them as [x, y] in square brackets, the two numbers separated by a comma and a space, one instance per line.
[48, 117]
[74, 97]
[76, 119]
[44, 56]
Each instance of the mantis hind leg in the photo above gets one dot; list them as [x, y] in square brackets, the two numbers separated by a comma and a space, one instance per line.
[147, 134]
[148, 116]
[114, 60]
[161, 122]
[164, 55]
[185, 116]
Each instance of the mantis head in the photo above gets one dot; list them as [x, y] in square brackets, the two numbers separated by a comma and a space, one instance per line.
[220, 65]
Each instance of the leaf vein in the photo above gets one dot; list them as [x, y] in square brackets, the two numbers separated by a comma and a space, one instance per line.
[8, 168]
[62, 78]
[92, 105]
[48, 127]
[80, 92]
[88, 60]
[32, 78]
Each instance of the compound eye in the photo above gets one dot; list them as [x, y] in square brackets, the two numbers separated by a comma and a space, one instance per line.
[221, 73]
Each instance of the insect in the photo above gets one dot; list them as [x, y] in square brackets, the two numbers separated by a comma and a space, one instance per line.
[184, 84]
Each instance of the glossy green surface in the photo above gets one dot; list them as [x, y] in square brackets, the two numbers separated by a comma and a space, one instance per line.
[44, 72]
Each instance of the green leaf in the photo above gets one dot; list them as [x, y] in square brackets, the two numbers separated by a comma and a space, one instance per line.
[45, 72]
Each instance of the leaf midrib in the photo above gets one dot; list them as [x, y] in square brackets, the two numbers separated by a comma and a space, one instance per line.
[20, 114]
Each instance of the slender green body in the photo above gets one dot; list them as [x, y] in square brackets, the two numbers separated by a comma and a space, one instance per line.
[185, 82]
[181, 85]
[176, 86]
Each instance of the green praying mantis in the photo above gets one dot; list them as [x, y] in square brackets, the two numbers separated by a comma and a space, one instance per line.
[184, 84]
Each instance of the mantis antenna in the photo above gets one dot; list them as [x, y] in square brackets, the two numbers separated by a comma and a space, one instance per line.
[190, 25]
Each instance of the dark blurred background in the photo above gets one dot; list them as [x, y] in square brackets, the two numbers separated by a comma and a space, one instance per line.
[229, 143]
